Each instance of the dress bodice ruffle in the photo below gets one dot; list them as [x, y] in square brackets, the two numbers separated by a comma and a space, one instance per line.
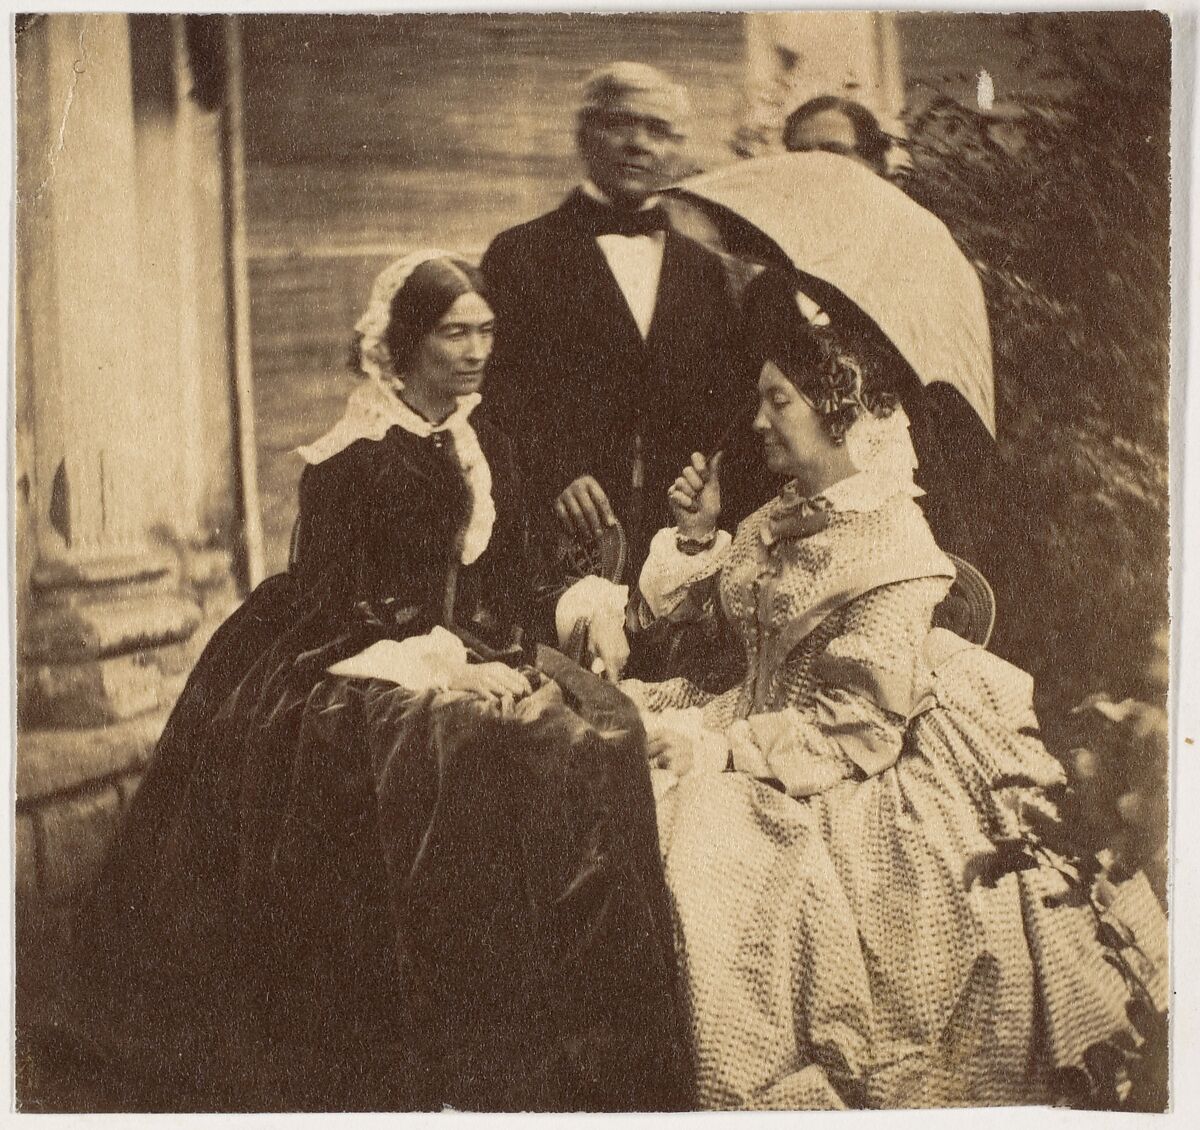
[776, 592]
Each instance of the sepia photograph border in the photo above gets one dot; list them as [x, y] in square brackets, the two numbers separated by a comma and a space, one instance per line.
[1183, 709]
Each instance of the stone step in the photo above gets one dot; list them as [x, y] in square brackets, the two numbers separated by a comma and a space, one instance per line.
[88, 581]
[51, 762]
[100, 692]
[65, 633]
[72, 836]
[61, 840]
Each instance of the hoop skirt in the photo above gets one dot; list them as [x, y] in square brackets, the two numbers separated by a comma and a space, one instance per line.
[835, 949]
[337, 893]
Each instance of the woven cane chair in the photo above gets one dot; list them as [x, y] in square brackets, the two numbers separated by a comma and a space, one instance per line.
[969, 608]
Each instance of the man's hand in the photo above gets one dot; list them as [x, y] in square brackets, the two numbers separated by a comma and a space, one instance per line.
[583, 508]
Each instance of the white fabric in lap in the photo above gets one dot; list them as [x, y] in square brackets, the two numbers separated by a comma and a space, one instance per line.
[428, 662]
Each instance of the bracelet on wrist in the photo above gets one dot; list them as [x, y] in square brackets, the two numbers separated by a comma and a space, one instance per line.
[692, 546]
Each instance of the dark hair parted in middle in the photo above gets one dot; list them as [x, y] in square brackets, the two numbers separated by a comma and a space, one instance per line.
[870, 141]
[417, 307]
[841, 373]
[422, 302]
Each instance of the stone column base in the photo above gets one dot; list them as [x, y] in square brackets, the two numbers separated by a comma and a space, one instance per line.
[106, 652]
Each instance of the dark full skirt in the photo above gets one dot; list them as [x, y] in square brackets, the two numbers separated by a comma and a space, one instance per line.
[336, 894]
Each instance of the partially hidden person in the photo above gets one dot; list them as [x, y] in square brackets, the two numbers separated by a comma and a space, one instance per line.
[831, 124]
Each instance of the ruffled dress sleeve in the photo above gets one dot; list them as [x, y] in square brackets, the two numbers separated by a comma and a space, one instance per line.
[680, 586]
[673, 585]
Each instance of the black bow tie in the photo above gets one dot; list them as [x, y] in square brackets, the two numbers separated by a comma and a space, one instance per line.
[603, 219]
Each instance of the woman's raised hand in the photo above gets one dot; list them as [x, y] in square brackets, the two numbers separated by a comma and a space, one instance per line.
[491, 680]
[695, 496]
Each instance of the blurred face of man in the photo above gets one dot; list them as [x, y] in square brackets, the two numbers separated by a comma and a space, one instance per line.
[629, 154]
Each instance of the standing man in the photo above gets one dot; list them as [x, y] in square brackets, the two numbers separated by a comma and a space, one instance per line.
[614, 355]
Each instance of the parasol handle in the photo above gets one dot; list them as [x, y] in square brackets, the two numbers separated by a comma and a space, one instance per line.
[726, 436]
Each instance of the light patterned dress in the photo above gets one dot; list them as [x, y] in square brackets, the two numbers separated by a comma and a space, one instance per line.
[833, 952]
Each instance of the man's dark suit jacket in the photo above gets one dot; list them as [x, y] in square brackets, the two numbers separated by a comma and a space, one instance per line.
[574, 384]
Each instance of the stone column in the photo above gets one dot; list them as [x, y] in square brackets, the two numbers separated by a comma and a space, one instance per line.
[126, 499]
[103, 592]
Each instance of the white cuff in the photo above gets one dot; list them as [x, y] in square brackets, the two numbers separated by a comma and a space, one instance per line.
[428, 662]
[591, 598]
[668, 572]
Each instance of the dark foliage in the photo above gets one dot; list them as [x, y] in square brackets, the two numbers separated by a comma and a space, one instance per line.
[1062, 201]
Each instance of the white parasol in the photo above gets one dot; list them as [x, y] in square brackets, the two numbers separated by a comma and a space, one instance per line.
[898, 263]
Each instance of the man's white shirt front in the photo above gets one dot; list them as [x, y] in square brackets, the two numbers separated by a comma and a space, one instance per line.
[636, 263]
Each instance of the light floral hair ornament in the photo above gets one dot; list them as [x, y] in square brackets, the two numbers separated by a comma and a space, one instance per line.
[875, 430]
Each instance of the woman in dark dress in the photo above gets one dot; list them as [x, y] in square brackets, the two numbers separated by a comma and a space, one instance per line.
[364, 871]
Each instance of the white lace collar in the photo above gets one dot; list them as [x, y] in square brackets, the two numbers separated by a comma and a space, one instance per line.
[371, 410]
[881, 448]
[868, 490]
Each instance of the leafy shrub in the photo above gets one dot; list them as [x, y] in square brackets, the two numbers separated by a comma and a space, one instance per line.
[1063, 204]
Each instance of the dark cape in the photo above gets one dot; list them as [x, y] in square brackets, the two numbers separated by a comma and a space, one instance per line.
[337, 894]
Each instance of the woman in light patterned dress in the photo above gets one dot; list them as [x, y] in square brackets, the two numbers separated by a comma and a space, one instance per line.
[818, 818]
